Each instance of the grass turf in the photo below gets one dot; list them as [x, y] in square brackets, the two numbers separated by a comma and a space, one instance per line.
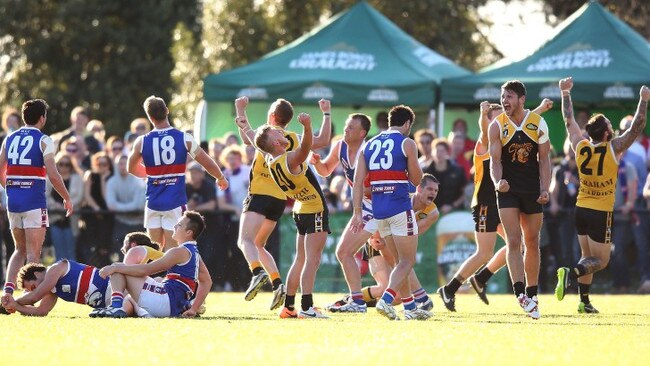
[245, 333]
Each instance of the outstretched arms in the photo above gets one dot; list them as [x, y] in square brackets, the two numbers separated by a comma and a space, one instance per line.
[567, 112]
[624, 141]
[325, 133]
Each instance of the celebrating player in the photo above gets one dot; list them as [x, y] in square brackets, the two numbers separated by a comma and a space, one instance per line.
[598, 160]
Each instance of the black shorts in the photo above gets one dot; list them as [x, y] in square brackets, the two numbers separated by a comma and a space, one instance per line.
[486, 218]
[525, 202]
[368, 252]
[268, 206]
[312, 223]
[595, 224]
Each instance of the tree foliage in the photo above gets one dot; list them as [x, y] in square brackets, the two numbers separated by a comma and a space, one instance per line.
[636, 13]
[107, 55]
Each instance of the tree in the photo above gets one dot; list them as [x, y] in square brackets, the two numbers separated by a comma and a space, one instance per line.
[107, 55]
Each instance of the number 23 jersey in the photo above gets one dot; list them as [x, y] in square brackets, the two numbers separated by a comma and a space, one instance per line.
[302, 187]
[387, 168]
[598, 172]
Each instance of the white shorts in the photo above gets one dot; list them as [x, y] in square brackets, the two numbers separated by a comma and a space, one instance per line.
[32, 219]
[402, 224]
[154, 299]
[162, 219]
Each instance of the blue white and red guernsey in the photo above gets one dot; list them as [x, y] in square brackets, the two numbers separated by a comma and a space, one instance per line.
[164, 154]
[25, 170]
[181, 281]
[348, 166]
[83, 285]
[387, 169]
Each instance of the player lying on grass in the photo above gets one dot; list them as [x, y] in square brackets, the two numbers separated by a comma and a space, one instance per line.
[187, 277]
[75, 282]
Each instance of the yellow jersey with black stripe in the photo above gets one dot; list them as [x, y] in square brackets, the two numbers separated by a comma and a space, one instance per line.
[598, 173]
[302, 187]
[520, 145]
[426, 211]
[261, 181]
[151, 255]
[484, 192]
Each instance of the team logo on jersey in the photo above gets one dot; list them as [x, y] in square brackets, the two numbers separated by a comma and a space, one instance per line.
[531, 126]
[66, 288]
[505, 130]
[422, 215]
[520, 152]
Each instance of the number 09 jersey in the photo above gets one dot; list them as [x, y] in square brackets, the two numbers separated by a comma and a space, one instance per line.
[164, 154]
[598, 173]
[26, 169]
[302, 187]
[387, 169]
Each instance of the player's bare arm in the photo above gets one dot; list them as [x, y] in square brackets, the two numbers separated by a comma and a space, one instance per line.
[212, 168]
[496, 168]
[413, 166]
[624, 141]
[45, 305]
[325, 167]
[171, 258]
[240, 108]
[544, 157]
[298, 156]
[325, 133]
[545, 106]
[57, 183]
[567, 112]
[483, 122]
[3, 165]
[360, 173]
[246, 132]
[425, 223]
[52, 275]
[205, 284]
[134, 162]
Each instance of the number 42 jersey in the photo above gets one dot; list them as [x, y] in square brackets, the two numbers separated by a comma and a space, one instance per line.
[387, 168]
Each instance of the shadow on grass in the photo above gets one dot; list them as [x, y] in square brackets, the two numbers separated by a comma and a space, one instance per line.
[634, 320]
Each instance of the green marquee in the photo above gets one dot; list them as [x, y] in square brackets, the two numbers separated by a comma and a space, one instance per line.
[359, 57]
[608, 60]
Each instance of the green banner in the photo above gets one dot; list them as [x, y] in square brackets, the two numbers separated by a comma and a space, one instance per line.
[330, 275]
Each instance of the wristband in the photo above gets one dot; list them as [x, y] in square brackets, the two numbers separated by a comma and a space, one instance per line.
[326, 113]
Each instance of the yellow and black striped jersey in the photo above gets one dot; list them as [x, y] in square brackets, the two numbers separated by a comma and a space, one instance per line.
[598, 173]
[302, 187]
[261, 181]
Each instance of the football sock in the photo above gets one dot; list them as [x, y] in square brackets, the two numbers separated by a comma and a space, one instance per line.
[9, 288]
[420, 295]
[367, 295]
[357, 297]
[306, 301]
[583, 289]
[519, 288]
[256, 267]
[531, 291]
[275, 280]
[117, 298]
[289, 302]
[453, 286]
[483, 276]
[389, 295]
[408, 303]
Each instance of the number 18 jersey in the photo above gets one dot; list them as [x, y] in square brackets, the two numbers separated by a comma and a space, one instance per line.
[387, 169]
[164, 154]
[598, 172]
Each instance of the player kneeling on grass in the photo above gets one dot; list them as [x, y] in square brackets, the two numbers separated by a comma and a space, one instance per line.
[186, 277]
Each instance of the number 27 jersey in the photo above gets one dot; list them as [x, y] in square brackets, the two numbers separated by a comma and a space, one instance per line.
[598, 172]
[387, 168]
[164, 154]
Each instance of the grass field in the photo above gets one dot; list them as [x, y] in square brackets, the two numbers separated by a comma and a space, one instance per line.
[235, 332]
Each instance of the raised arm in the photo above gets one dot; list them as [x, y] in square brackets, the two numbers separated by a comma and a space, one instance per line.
[325, 133]
[624, 141]
[483, 123]
[325, 167]
[496, 168]
[544, 106]
[240, 107]
[298, 156]
[567, 112]
[413, 166]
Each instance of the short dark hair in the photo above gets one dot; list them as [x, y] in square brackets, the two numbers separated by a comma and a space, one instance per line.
[196, 223]
[156, 108]
[382, 120]
[283, 111]
[140, 238]
[28, 273]
[427, 177]
[363, 119]
[424, 132]
[399, 114]
[262, 139]
[596, 127]
[441, 141]
[33, 110]
[516, 86]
